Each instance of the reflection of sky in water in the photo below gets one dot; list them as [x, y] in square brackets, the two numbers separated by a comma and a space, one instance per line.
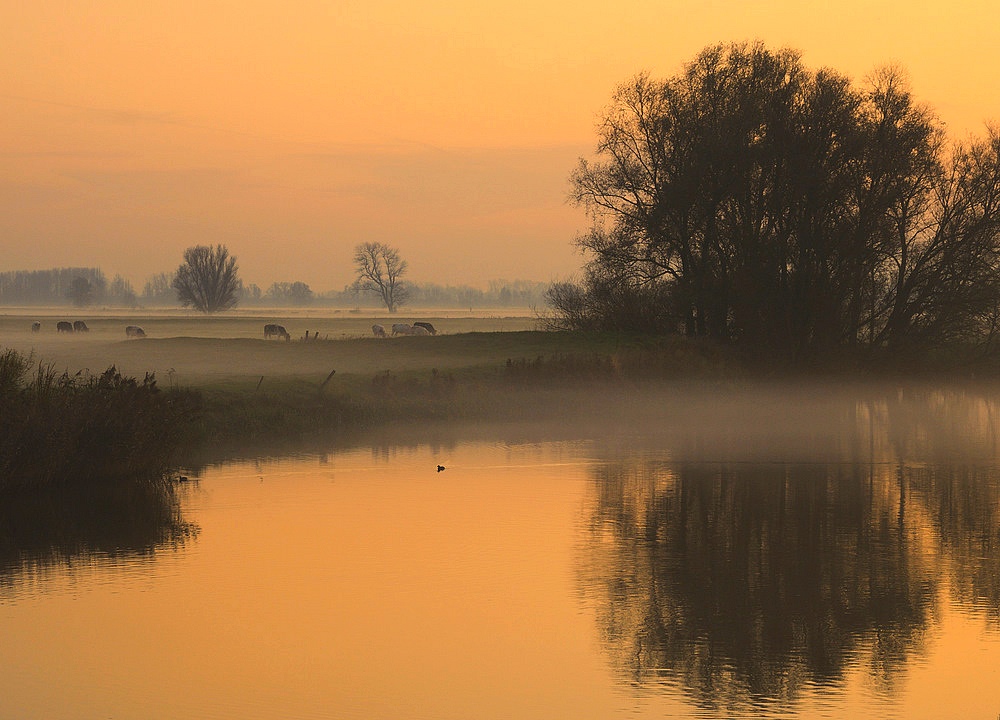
[676, 569]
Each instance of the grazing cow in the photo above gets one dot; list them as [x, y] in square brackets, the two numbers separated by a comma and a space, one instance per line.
[63, 326]
[403, 329]
[427, 326]
[36, 326]
[378, 331]
[80, 326]
[271, 330]
[134, 331]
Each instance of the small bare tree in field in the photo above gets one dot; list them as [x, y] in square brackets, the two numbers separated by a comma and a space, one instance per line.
[379, 269]
[208, 279]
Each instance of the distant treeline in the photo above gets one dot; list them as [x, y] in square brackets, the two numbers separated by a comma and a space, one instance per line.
[89, 286]
[498, 293]
[59, 286]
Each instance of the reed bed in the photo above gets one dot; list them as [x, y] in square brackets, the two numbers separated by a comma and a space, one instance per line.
[82, 429]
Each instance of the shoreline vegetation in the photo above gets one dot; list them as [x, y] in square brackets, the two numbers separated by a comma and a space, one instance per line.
[76, 428]
[85, 462]
[62, 427]
[59, 428]
[640, 383]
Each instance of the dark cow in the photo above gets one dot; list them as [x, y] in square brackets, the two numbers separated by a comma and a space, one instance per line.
[271, 330]
[378, 331]
[426, 326]
[80, 326]
[63, 326]
[134, 331]
[36, 326]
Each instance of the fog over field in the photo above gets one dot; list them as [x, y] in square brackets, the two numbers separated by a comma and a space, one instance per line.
[706, 418]
[186, 348]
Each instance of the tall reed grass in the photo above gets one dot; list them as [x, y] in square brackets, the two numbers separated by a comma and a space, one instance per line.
[58, 429]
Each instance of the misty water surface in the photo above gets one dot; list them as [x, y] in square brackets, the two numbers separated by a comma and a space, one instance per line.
[838, 559]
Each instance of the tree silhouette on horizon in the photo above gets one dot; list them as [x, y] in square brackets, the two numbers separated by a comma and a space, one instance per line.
[208, 279]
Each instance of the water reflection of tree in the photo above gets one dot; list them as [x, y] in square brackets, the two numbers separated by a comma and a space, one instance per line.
[948, 440]
[40, 529]
[743, 582]
[965, 505]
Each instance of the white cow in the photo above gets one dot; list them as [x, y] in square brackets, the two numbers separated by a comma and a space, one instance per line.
[404, 329]
[378, 331]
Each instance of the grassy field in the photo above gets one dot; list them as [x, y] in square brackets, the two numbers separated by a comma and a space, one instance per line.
[242, 395]
[343, 379]
[230, 350]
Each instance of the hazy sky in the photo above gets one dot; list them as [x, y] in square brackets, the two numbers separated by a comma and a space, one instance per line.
[291, 130]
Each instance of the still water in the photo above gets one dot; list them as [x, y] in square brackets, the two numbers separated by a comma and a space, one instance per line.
[776, 570]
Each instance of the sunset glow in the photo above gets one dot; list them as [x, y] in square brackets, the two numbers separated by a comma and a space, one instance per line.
[293, 131]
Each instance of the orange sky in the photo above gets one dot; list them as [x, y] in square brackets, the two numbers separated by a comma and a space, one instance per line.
[292, 130]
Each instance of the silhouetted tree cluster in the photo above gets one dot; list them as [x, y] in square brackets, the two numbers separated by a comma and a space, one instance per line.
[498, 293]
[62, 286]
[120, 292]
[251, 294]
[751, 199]
[289, 293]
[208, 279]
[84, 291]
[80, 286]
[53, 286]
[159, 290]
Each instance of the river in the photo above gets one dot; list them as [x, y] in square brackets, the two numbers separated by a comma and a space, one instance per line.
[641, 573]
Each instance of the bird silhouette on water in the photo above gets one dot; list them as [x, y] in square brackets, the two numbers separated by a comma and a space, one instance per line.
[440, 468]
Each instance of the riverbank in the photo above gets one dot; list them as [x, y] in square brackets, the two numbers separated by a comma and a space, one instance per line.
[593, 383]
[231, 394]
[65, 422]
[474, 377]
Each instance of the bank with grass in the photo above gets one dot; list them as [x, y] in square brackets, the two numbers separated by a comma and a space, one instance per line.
[67, 426]
[233, 396]
[469, 377]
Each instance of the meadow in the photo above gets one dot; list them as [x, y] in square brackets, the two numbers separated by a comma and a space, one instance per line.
[197, 351]
[252, 390]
